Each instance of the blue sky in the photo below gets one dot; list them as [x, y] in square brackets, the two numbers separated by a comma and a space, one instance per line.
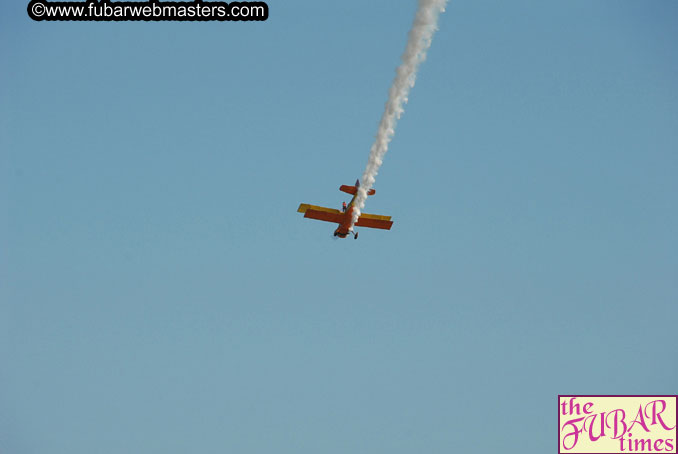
[159, 293]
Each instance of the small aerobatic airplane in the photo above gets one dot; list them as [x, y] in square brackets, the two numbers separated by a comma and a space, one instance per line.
[343, 217]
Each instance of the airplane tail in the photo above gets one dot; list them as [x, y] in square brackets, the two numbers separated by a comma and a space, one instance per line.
[353, 189]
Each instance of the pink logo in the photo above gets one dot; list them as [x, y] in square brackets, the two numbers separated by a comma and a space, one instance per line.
[617, 424]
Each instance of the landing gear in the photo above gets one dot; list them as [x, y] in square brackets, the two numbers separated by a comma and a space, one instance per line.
[355, 236]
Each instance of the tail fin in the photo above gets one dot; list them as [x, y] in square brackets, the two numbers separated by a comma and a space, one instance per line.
[353, 189]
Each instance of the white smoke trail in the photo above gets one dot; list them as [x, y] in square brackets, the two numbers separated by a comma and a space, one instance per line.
[419, 40]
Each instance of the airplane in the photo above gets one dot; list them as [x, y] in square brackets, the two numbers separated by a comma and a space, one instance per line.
[343, 217]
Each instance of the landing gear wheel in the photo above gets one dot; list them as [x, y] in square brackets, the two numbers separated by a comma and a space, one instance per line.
[355, 237]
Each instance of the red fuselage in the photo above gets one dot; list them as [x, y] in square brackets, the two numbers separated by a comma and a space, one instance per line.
[344, 228]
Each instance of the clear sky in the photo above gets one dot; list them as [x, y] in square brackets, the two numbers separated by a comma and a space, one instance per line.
[160, 294]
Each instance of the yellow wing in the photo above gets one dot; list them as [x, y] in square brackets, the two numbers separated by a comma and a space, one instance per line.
[376, 217]
[321, 213]
[305, 207]
[374, 221]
